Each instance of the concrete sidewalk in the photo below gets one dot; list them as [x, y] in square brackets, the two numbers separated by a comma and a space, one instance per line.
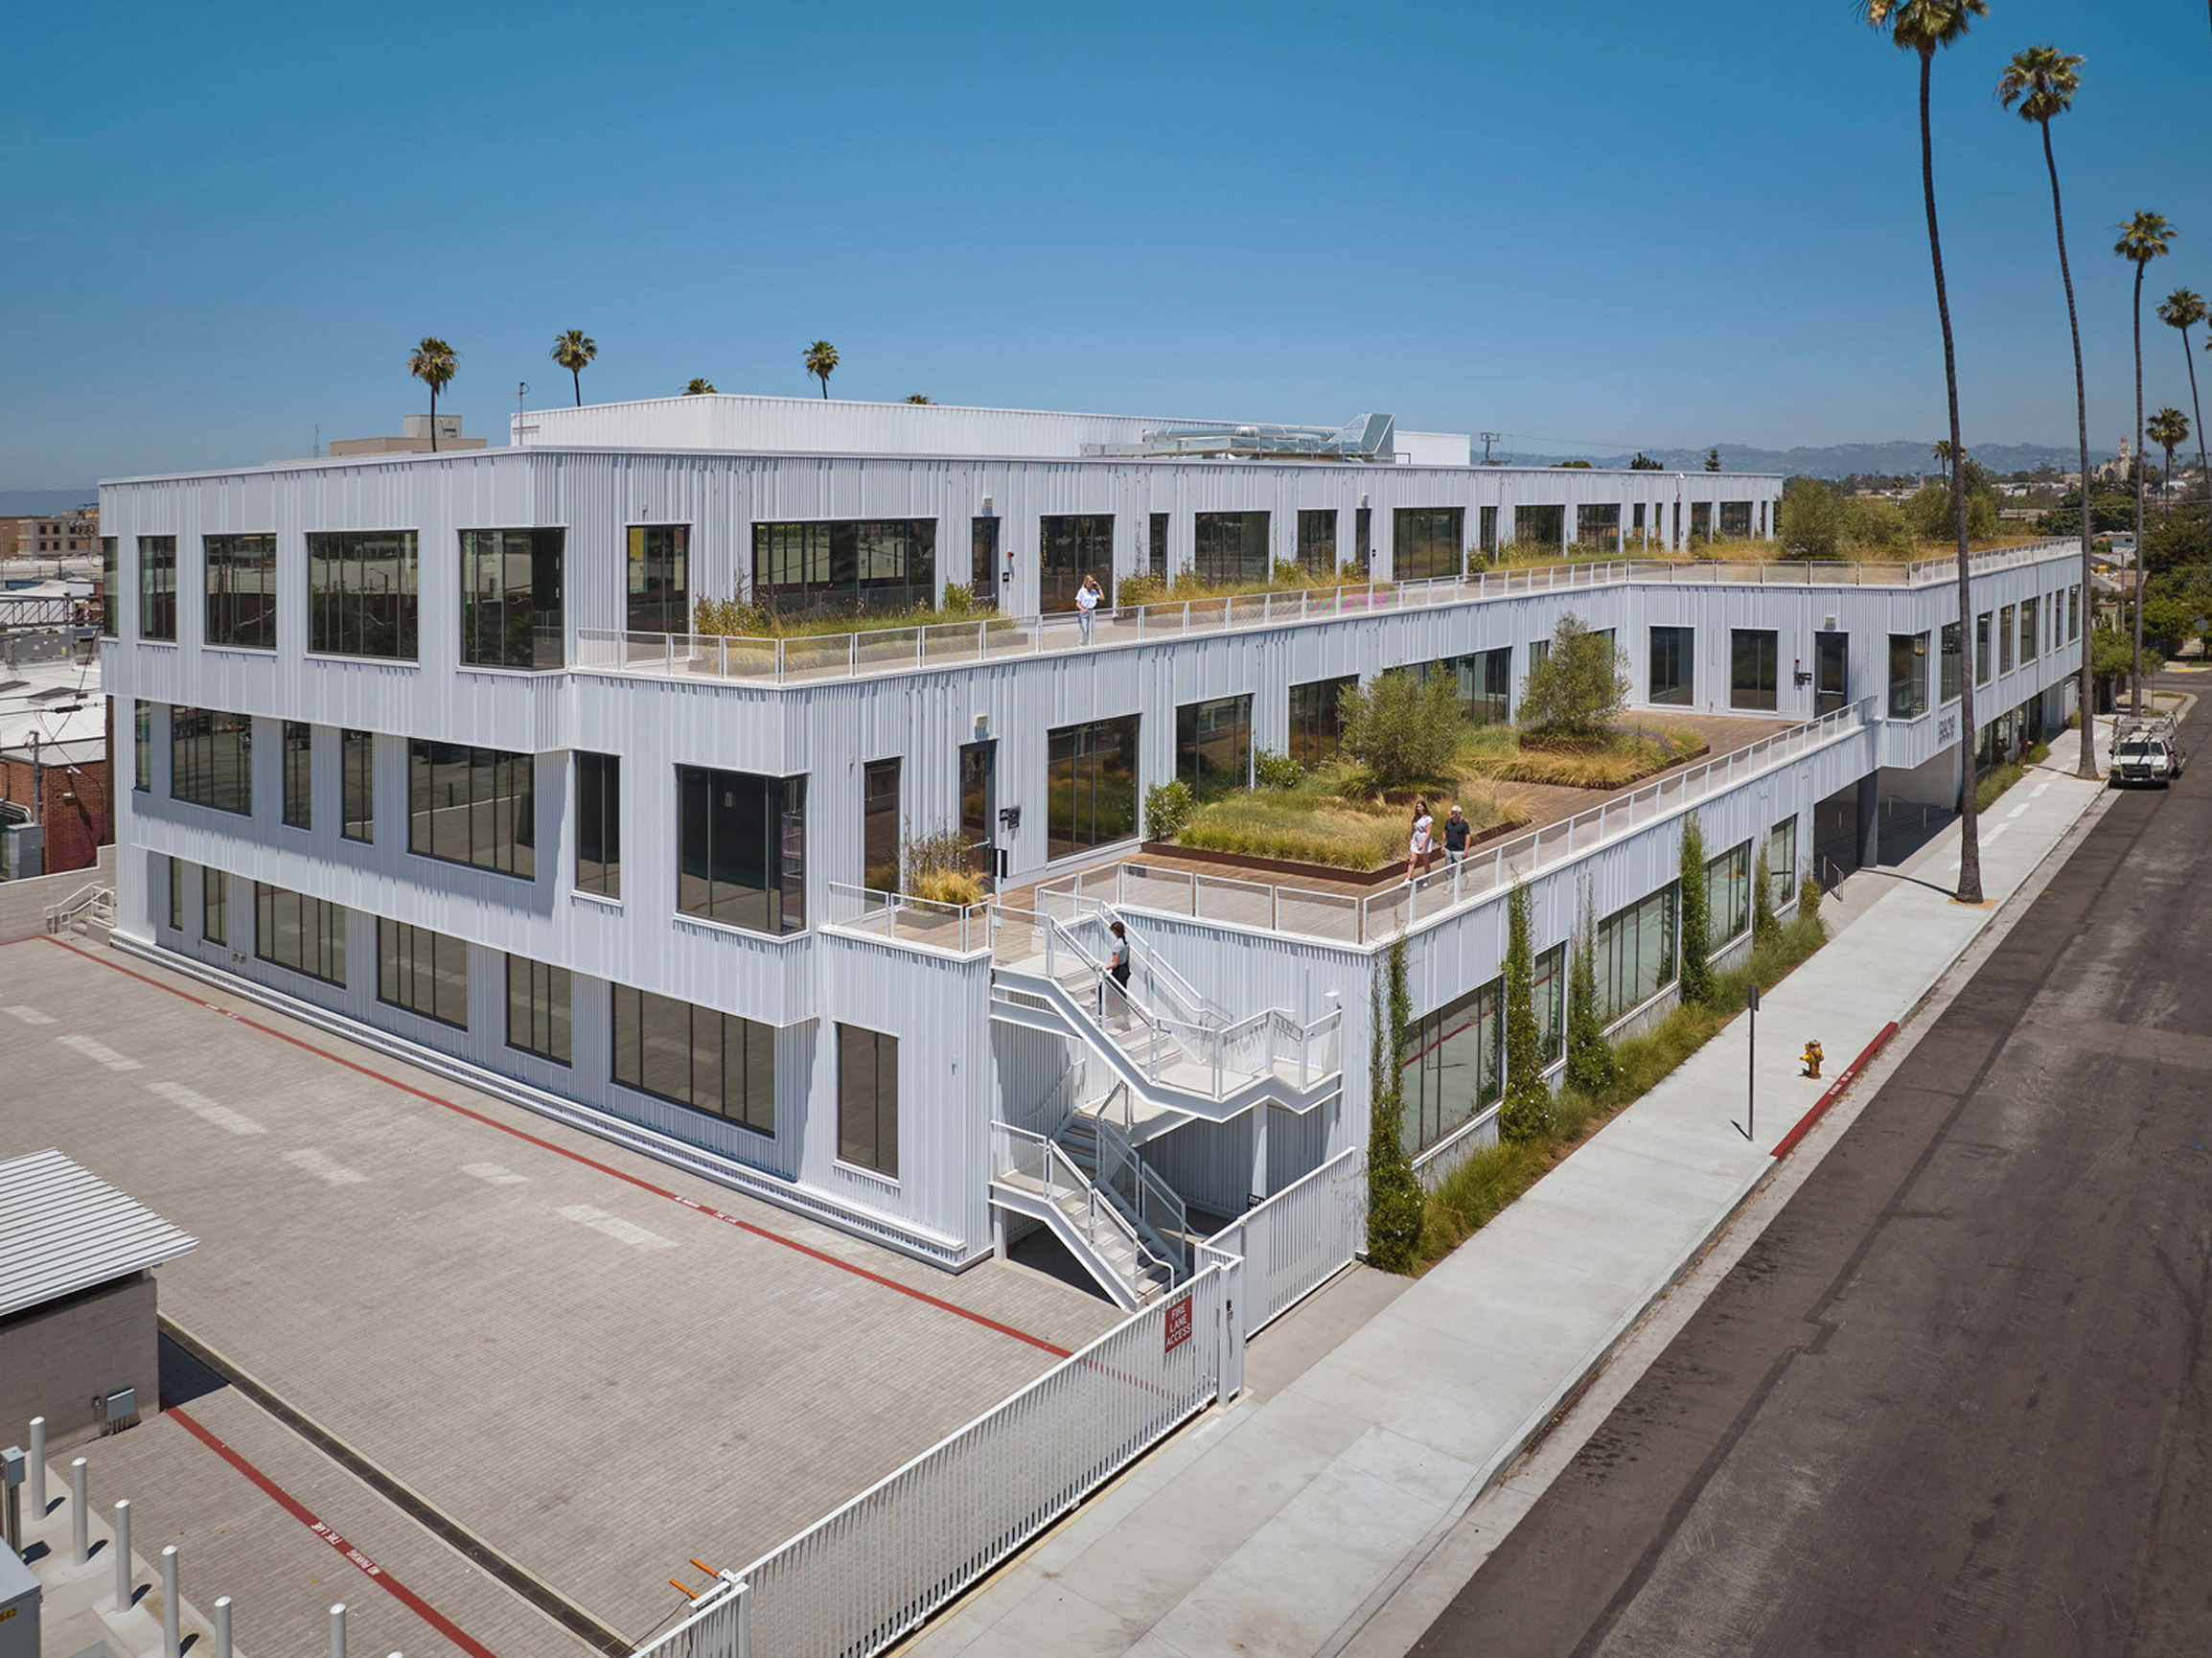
[1284, 1524]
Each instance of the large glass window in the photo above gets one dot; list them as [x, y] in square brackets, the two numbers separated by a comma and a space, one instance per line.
[1091, 786]
[880, 825]
[660, 579]
[306, 934]
[156, 587]
[846, 567]
[211, 759]
[1674, 670]
[1728, 895]
[176, 868]
[1597, 524]
[2073, 613]
[1702, 521]
[473, 806]
[1482, 679]
[1363, 539]
[1782, 863]
[1551, 1002]
[2008, 634]
[299, 758]
[710, 1061]
[983, 561]
[1635, 953]
[358, 780]
[1486, 536]
[214, 905]
[424, 971]
[1752, 658]
[2030, 636]
[1214, 746]
[361, 593]
[1736, 518]
[740, 848]
[1317, 541]
[1230, 548]
[511, 582]
[142, 745]
[1317, 718]
[599, 824]
[1953, 664]
[1907, 675]
[868, 1100]
[1069, 548]
[1454, 1065]
[110, 585]
[1984, 661]
[1156, 549]
[537, 1009]
[1427, 543]
[1540, 528]
[242, 590]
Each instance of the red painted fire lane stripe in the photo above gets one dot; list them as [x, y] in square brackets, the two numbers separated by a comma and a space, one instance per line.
[1843, 1080]
[692, 1204]
[299, 1511]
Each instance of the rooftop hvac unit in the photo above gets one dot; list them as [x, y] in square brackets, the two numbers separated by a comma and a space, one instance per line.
[22, 851]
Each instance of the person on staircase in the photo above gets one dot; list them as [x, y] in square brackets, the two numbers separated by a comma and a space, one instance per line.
[1120, 970]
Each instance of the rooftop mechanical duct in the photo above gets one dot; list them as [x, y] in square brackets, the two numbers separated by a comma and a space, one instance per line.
[1366, 439]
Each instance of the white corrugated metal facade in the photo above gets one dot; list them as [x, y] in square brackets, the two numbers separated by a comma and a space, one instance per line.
[62, 1229]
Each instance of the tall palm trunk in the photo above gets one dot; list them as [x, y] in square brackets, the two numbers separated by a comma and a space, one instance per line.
[2137, 674]
[2196, 410]
[577, 375]
[1969, 826]
[2086, 695]
[433, 417]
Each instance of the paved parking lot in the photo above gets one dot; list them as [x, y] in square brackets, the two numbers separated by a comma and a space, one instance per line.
[529, 1328]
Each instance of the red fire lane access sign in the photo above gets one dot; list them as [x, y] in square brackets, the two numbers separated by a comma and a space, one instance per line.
[1178, 1324]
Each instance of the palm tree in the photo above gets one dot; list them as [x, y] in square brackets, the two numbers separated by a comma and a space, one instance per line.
[699, 388]
[2169, 429]
[821, 357]
[2183, 310]
[1944, 453]
[916, 397]
[2142, 238]
[1926, 27]
[434, 363]
[2043, 81]
[573, 351]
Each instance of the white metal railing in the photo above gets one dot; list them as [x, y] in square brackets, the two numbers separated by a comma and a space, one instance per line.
[97, 900]
[1351, 918]
[909, 920]
[810, 658]
[1158, 1207]
[713, 1626]
[1297, 1240]
[1019, 1154]
[858, 1579]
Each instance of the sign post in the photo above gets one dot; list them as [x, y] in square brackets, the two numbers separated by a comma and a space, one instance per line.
[1748, 1127]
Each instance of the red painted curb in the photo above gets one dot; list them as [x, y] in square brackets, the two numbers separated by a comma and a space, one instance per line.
[1843, 1080]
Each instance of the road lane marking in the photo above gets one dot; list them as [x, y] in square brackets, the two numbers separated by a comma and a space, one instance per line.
[2017, 810]
[99, 1054]
[206, 1109]
[313, 1162]
[29, 1015]
[493, 1174]
[614, 1227]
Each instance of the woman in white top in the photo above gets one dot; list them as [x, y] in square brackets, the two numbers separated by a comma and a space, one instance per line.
[1086, 600]
[1418, 846]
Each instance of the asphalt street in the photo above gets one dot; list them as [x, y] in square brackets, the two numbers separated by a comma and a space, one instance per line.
[1954, 1399]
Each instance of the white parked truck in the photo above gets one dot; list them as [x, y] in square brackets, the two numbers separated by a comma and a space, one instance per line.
[2147, 751]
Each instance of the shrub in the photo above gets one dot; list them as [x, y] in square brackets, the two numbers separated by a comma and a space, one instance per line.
[1526, 1112]
[959, 599]
[1393, 1201]
[1403, 729]
[930, 858]
[962, 886]
[1696, 915]
[1764, 926]
[1809, 896]
[1168, 809]
[1272, 770]
[1578, 687]
[1590, 1064]
[1995, 784]
[733, 618]
[1313, 824]
[1811, 519]
[1144, 590]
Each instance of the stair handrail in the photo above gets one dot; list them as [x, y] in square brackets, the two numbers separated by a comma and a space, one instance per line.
[1199, 1008]
[1054, 1161]
[1149, 1190]
[61, 914]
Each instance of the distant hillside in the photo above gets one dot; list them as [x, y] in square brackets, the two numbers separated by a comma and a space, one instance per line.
[22, 504]
[1838, 460]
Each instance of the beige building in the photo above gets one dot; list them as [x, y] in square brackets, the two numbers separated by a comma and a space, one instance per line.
[414, 439]
[74, 534]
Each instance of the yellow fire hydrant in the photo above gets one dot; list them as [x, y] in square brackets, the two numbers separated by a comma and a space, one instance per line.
[1812, 1059]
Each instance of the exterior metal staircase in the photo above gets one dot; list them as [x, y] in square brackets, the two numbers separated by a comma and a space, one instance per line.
[1035, 1175]
[89, 911]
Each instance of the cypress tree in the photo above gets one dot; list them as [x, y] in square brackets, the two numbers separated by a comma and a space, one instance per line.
[1764, 926]
[1526, 1113]
[1590, 1064]
[1696, 915]
[1394, 1198]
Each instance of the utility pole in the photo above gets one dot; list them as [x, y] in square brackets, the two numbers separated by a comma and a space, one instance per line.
[520, 386]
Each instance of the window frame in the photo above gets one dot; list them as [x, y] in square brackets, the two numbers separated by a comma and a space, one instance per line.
[228, 564]
[1428, 544]
[194, 776]
[500, 630]
[705, 889]
[296, 748]
[598, 789]
[1755, 697]
[859, 1048]
[423, 971]
[664, 608]
[546, 1000]
[214, 906]
[512, 809]
[1104, 745]
[646, 1009]
[344, 607]
[323, 944]
[1681, 690]
[356, 785]
[157, 598]
[1433, 1111]
[1199, 728]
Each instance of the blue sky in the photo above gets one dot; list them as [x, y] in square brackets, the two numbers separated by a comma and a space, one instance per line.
[1590, 220]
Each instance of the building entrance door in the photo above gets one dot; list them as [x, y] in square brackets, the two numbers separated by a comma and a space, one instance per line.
[979, 808]
[1831, 678]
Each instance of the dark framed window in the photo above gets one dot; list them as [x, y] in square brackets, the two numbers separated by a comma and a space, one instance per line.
[1674, 666]
[1230, 548]
[214, 906]
[740, 848]
[1541, 527]
[2008, 634]
[1454, 1065]
[2073, 613]
[176, 869]
[1482, 679]
[1214, 746]
[298, 743]
[1363, 538]
[476, 806]
[511, 598]
[211, 759]
[983, 561]
[1728, 895]
[1427, 543]
[868, 1100]
[1090, 785]
[1953, 663]
[1636, 527]
[1597, 524]
[2030, 630]
[1701, 520]
[306, 934]
[424, 971]
[658, 579]
[537, 1009]
[1635, 953]
[1752, 658]
[242, 590]
[1550, 1000]
[1317, 718]
[110, 585]
[1907, 675]
[1984, 661]
[846, 567]
[157, 587]
[1317, 541]
[880, 825]
[361, 593]
[358, 780]
[1156, 547]
[142, 747]
[1782, 863]
[1735, 519]
[599, 824]
[1069, 547]
[1487, 533]
[695, 1056]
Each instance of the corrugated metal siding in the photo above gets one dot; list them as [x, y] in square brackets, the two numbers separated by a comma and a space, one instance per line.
[63, 1230]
